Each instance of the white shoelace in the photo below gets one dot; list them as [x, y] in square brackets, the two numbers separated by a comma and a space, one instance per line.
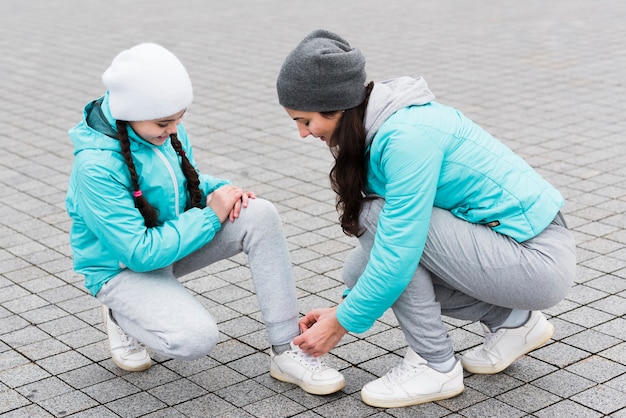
[400, 373]
[310, 362]
[130, 344]
[490, 339]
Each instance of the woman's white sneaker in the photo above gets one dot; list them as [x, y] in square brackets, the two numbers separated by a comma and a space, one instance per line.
[127, 353]
[413, 382]
[503, 347]
[308, 372]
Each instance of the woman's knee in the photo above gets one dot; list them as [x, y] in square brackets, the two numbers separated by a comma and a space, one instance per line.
[370, 211]
[554, 290]
[354, 266]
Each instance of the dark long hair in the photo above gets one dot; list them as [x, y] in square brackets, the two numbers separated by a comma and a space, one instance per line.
[149, 213]
[348, 176]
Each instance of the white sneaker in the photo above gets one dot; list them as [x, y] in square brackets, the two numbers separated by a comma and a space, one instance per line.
[306, 371]
[503, 347]
[413, 382]
[127, 353]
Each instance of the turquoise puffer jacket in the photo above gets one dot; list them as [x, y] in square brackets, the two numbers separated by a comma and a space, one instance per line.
[108, 233]
[422, 154]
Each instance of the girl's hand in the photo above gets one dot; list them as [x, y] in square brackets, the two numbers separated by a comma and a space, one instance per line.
[243, 203]
[321, 332]
[227, 200]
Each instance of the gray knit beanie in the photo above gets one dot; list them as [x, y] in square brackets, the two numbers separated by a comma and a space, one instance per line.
[322, 74]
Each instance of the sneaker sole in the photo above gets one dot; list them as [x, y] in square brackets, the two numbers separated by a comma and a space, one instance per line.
[399, 403]
[127, 368]
[312, 389]
[508, 360]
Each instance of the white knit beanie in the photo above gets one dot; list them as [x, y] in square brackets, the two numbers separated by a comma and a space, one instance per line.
[147, 82]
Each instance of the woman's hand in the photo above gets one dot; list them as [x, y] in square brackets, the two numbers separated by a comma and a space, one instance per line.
[321, 331]
[227, 201]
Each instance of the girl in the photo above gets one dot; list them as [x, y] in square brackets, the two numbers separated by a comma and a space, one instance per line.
[143, 216]
[449, 220]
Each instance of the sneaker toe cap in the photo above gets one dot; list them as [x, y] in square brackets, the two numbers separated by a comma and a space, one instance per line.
[327, 375]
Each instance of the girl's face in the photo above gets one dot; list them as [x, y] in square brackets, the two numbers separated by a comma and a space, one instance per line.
[157, 131]
[316, 124]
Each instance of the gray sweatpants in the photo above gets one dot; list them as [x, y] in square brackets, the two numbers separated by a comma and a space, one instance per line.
[470, 272]
[159, 311]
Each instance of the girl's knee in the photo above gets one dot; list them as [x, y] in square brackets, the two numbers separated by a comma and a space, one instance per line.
[262, 212]
[191, 342]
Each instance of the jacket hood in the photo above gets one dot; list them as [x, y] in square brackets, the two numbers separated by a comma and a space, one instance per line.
[389, 96]
[97, 129]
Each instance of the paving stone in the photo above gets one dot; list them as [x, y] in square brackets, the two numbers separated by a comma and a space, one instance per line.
[617, 353]
[597, 368]
[22, 375]
[275, 406]
[68, 403]
[192, 367]
[586, 316]
[86, 376]
[156, 375]
[491, 408]
[565, 409]
[591, 341]
[563, 383]
[44, 389]
[528, 398]
[492, 385]
[208, 406]
[30, 411]
[612, 304]
[230, 350]
[619, 383]
[177, 392]
[601, 398]
[348, 407]
[560, 355]
[252, 365]
[135, 405]
[615, 328]
[244, 393]
[11, 400]
[528, 368]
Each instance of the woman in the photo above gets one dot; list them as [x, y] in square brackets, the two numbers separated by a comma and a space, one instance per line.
[449, 220]
[143, 216]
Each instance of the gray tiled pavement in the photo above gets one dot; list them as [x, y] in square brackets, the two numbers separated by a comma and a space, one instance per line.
[548, 78]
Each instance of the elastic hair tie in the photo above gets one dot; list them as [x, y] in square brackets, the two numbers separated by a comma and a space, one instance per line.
[182, 153]
[137, 193]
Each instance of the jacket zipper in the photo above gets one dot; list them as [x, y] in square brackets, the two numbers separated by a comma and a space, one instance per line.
[173, 176]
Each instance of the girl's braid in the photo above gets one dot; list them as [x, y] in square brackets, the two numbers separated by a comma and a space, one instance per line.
[149, 213]
[193, 182]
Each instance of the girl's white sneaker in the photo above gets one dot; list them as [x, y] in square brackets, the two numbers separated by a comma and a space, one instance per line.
[127, 353]
[308, 372]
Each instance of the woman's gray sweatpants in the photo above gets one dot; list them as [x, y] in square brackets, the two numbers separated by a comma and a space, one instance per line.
[470, 272]
[159, 311]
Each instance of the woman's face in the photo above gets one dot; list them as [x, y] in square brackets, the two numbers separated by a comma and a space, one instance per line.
[316, 124]
[157, 131]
